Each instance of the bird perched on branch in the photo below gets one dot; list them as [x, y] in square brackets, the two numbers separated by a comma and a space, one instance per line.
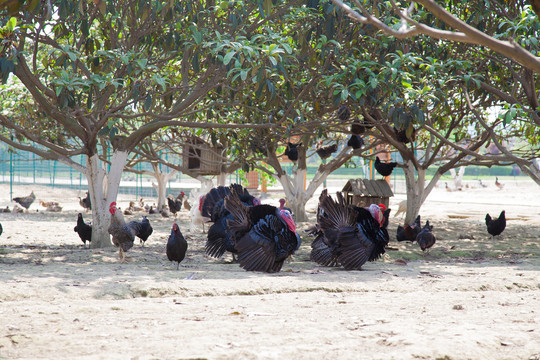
[344, 113]
[385, 169]
[348, 235]
[496, 226]
[84, 229]
[326, 151]
[356, 142]
[358, 127]
[176, 246]
[25, 201]
[291, 151]
[122, 235]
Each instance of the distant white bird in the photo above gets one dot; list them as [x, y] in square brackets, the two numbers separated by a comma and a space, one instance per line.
[196, 198]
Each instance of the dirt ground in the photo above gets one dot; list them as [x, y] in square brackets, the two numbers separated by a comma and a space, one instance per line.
[466, 299]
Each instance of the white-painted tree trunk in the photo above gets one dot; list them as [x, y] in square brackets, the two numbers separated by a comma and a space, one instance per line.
[161, 187]
[103, 189]
[417, 192]
[221, 179]
[458, 177]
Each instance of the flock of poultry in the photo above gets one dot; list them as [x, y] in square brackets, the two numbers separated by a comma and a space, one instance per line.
[261, 237]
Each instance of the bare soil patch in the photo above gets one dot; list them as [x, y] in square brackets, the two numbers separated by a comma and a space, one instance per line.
[470, 297]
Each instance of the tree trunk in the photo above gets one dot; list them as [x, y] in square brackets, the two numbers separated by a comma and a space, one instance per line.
[161, 187]
[102, 194]
[417, 192]
[295, 194]
[221, 179]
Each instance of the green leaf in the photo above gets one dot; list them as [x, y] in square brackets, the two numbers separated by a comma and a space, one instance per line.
[147, 102]
[11, 24]
[243, 75]
[227, 58]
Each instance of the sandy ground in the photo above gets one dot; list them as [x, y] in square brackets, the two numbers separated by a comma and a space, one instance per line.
[467, 299]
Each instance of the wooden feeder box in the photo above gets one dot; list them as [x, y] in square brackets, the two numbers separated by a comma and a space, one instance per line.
[364, 192]
[200, 157]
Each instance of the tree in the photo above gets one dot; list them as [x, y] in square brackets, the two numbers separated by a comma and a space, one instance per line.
[89, 69]
[506, 70]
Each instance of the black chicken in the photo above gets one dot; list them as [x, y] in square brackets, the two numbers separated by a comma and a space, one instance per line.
[142, 229]
[263, 235]
[176, 246]
[219, 238]
[425, 237]
[385, 169]
[25, 201]
[495, 227]
[86, 203]
[409, 232]
[358, 127]
[1, 229]
[122, 235]
[344, 113]
[348, 235]
[83, 229]
[326, 151]
[356, 142]
[401, 135]
[291, 151]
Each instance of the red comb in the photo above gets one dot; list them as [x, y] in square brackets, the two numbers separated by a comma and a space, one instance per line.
[382, 206]
[113, 204]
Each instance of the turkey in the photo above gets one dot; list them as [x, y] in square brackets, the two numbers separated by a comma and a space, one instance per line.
[84, 229]
[142, 229]
[219, 237]
[263, 235]
[348, 235]
[122, 235]
[25, 201]
[176, 246]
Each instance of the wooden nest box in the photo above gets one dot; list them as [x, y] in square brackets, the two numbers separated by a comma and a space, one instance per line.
[364, 192]
[200, 157]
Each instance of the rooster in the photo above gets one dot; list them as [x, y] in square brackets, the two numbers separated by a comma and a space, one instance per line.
[495, 227]
[176, 246]
[263, 235]
[175, 204]
[25, 201]
[408, 232]
[83, 229]
[122, 235]
[213, 207]
[425, 237]
[348, 235]
[142, 229]
[385, 169]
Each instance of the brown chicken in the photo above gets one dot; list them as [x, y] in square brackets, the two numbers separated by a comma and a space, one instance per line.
[122, 235]
[25, 201]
